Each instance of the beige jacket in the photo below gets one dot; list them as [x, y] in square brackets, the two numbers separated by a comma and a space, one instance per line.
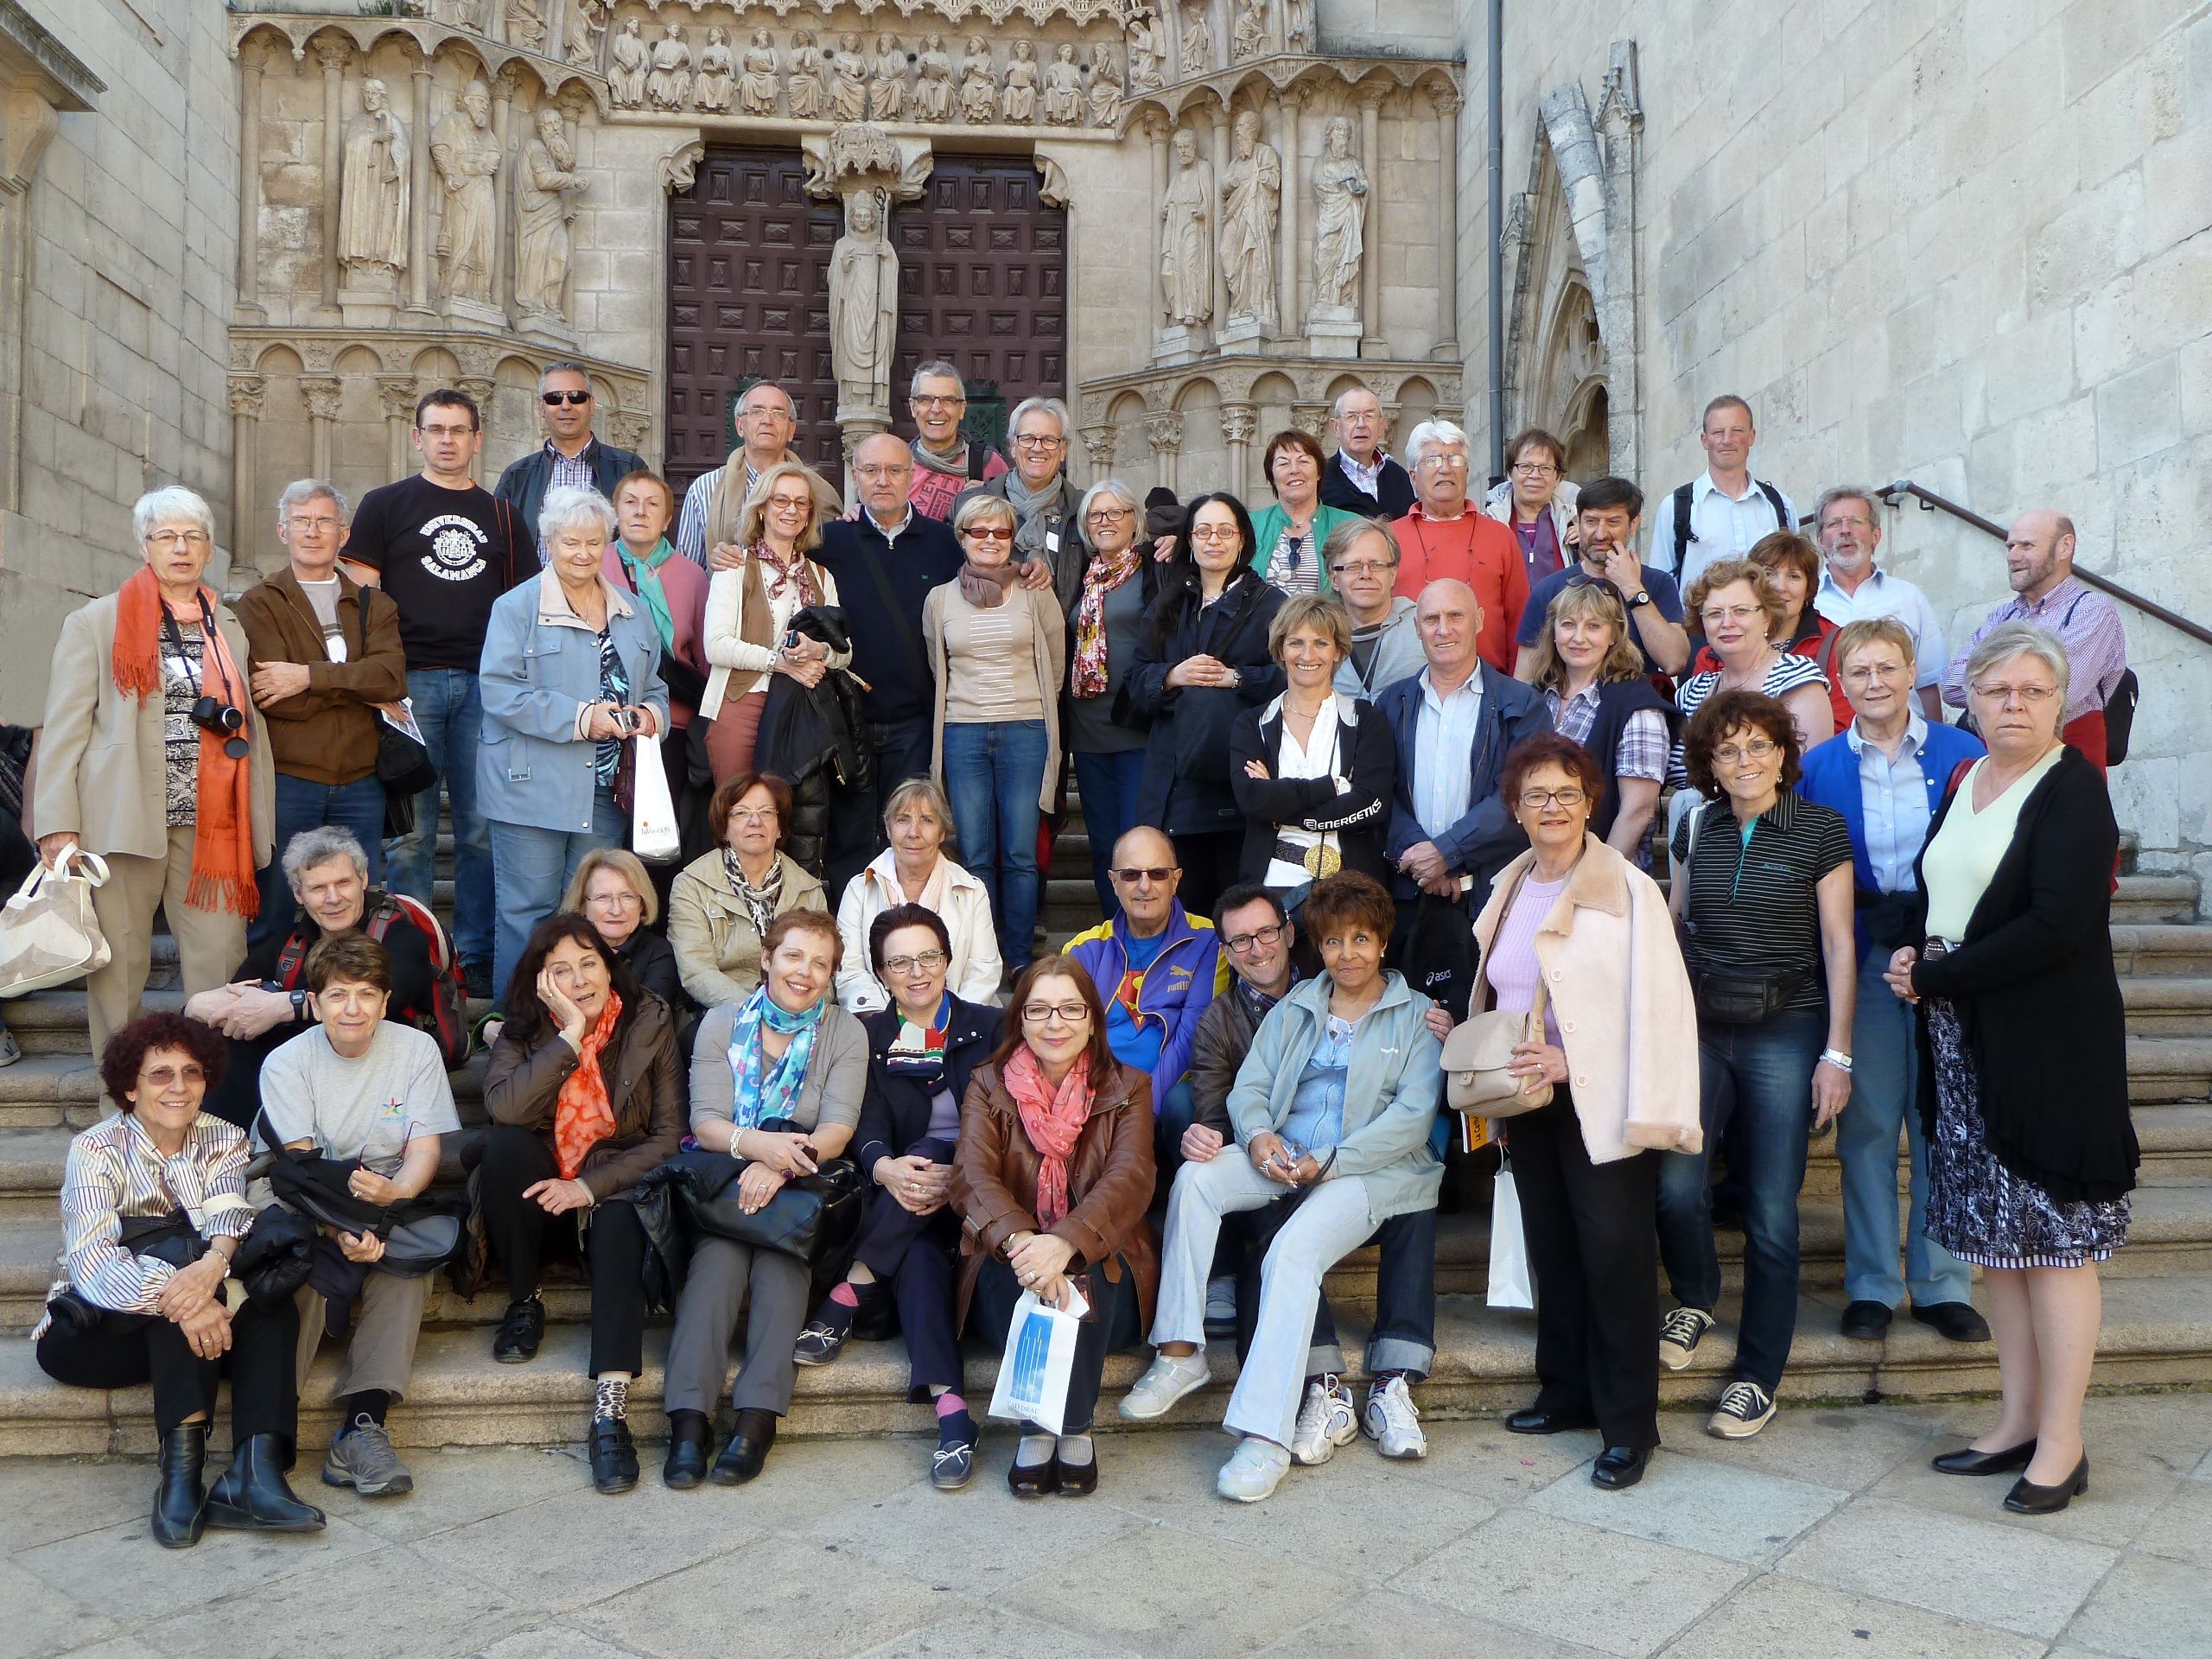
[960, 902]
[717, 952]
[1622, 996]
[1048, 641]
[101, 760]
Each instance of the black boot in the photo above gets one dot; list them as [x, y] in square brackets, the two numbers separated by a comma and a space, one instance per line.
[181, 1492]
[253, 1495]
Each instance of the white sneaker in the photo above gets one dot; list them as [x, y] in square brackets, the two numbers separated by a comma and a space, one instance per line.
[1744, 1409]
[1168, 1380]
[1327, 1420]
[1253, 1472]
[1393, 1422]
[1221, 1307]
[1680, 1332]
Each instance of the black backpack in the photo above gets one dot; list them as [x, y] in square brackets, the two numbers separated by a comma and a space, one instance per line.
[1684, 536]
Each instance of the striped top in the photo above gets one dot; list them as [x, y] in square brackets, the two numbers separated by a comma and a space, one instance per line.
[1754, 904]
[1788, 672]
[115, 1170]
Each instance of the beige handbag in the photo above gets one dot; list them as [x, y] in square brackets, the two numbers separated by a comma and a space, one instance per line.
[1480, 1049]
[48, 933]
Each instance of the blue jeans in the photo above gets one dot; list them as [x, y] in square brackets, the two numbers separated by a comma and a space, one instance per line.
[1885, 1090]
[303, 804]
[1109, 786]
[533, 867]
[993, 775]
[450, 711]
[1764, 1074]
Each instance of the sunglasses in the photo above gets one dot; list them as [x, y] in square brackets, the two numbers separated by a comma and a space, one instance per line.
[1155, 874]
[554, 399]
[987, 533]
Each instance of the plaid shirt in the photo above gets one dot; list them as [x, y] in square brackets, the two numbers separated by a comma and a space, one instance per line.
[1641, 752]
[2086, 624]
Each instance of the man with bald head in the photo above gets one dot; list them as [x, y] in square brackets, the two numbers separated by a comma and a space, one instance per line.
[1156, 968]
[1361, 477]
[766, 419]
[2039, 566]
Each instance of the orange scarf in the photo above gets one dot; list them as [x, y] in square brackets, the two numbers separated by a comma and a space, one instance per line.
[582, 1115]
[1053, 1119]
[222, 845]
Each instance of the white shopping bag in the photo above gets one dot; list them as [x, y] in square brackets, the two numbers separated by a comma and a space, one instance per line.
[652, 810]
[1509, 1246]
[1033, 1385]
[48, 934]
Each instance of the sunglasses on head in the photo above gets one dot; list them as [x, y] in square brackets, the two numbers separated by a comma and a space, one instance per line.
[553, 399]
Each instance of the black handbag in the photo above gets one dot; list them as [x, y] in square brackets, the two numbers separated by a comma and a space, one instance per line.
[420, 1235]
[815, 1217]
[271, 1261]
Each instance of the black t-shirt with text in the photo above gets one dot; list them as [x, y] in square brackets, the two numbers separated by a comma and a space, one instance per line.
[444, 555]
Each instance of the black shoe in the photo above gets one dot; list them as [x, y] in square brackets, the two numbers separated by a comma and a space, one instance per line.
[179, 1493]
[520, 1332]
[1868, 1321]
[2028, 1498]
[1619, 1468]
[823, 1339]
[1954, 1321]
[1037, 1479]
[476, 979]
[742, 1459]
[1077, 1479]
[1535, 1420]
[1971, 1462]
[686, 1466]
[613, 1458]
[253, 1496]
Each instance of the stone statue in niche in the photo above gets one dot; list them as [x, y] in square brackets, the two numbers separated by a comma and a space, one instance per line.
[756, 88]
[587, 32]
[373, 197]
[669, 87]
[1022, 85]
[886, 92]
[1198, 43]
[1298, 25]
[979, 84]
[525, 25]
[863, 306]
[461, 13]
[848, 80]
[933, 81]
[1186, 237]
[805, 93]
[1248, 36]
[1063, 89]
[548, 188]
[1148, 52]
[717, 80]
[1105, 87]
[626, 76]
[1340, 188]
[1251, 203]
[468, 159]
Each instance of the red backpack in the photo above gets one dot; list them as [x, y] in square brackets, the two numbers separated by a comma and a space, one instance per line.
[447, 1018]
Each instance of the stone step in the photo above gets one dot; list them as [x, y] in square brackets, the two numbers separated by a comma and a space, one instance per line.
[2155, 899]
[2149, 948]
[2168, 1005]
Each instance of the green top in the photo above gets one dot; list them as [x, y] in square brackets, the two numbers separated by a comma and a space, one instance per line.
[1269, 522]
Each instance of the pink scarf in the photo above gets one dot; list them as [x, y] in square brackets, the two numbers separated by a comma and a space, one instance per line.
[1053, 1119]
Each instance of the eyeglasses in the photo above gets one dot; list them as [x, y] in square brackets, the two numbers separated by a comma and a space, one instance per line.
[769, 411]
[928, 961]
[1136, 874]
[552, 399]
[165, 539]
[1537, 799]
[1759, 748]
[1363, 568]
[2029, 696]
[436, 432]
[1258, 938]
[791, 503]
[1210, 534]
[988, 532]
[161, 1077]
[1108, 515]
[1042, 1013]
[1534, 469]
[1730, 613]
[323, 521]
[1856, 520]
[617, 900]
[923, 400]
[1866, 674]
[1433, 460]
[875, 470]
[753, 814]
[1034, 440]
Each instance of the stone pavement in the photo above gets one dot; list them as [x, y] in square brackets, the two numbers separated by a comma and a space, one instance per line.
[1829, 1534]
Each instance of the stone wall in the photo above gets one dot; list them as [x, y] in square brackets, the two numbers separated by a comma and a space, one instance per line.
[1967, 244]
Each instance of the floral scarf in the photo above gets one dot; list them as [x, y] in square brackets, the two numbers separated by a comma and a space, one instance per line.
[764, 1094]
[1053, 1119]
[583, 1115]
[781, 577]
[762, 902]
[1105, 572]
[918, 1051]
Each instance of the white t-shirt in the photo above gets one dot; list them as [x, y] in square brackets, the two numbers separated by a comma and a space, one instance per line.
[370, 1108]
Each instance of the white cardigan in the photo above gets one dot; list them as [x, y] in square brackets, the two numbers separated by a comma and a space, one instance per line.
[726, 652]
[976, 967]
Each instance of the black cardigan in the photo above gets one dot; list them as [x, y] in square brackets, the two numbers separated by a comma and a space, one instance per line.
[1616, 701]
[2035, 988]
[1394, 486]
[1360, 817]
[1186, 789]
[895, 1110]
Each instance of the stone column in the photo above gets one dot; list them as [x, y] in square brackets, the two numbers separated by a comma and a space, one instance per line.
[247, 392]
[1445, 101]
[480, 388]
[1220, 120]
[503, 259]
[1099, 442]
[419, 256]
[396, 393]
[1165, 433]
[334, 55]
[1156, 132]
[1238, 422]
[1370, 264]
[323, 393]
[253, 58]
[1293, 194]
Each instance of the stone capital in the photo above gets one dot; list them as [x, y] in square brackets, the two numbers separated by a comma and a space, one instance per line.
[1239, 422]
[1312, 419]
[481, 390]
[679, 169]
[1099, 442]
[333, 52]
[324, 393]
[1163, 432]
[247, 392]
[398, 394]
[860, 156]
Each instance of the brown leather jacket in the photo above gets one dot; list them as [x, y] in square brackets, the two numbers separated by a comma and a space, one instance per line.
[644, 1085]
[1109, 1183]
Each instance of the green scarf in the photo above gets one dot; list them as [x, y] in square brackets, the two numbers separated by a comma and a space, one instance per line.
[644, 577]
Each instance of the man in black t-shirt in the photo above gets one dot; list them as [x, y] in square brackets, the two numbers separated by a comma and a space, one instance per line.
[445, 548]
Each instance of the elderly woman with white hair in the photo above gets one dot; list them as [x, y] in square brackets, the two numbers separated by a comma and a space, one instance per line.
[155, 758]
[1105, 745]
[1446, 537]
[570, 669]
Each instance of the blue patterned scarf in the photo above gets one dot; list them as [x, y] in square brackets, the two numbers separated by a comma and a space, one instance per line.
[762, 1093]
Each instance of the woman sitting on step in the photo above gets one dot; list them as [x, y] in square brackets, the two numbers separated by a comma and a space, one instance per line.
[913, 869]
[585, 1093]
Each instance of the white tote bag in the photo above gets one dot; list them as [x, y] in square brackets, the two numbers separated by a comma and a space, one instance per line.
[1509, 1246]
[48, 934]
[652, 810]
[1033, 1385]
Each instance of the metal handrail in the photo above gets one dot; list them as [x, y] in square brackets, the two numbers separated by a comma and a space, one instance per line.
[1930, 502]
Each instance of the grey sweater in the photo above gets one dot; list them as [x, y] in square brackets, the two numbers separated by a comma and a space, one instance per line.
[836, 1072]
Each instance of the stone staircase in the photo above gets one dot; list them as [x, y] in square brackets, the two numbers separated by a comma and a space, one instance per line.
[2157, 1327]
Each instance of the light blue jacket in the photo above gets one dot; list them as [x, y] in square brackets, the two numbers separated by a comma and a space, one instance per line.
[539, 671]
[1392, 1085]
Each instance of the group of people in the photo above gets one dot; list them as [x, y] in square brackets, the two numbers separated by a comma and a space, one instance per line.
[1373, 762]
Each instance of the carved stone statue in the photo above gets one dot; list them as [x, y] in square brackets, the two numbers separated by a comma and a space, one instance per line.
[1148, 52]
[863, 306]
[886, 92]
[716, 82]
[1186, 237]
[1063, 89]
[933, 84]
[1251, 201]
[1340, 187]
[1248, 35]
[979, 84]
[805, 93]
[848, 80]
[1298, 25]
[756, 88]
[670, 85]
[547, 204]
[1105, 88]
[1022, 85]
[587, 32]
[461, 13]
[468, 159]
[525, 25]
[626, 76]
[1198, 43]
[372, 200]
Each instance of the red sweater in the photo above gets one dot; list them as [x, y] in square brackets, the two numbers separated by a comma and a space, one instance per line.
[1478, 551]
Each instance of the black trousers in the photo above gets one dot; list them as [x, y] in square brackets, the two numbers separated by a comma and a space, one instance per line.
[518, 1231]
[1116, 1325]
[1594, 1253]
[914, 1254]
[1405, 1282]
[1210, 864]
[127, 1350]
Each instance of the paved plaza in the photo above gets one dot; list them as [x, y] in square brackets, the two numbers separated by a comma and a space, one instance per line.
[1827, 1536]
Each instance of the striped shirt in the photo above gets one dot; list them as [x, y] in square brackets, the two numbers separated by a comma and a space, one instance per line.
[1753, 901]
[1789, 671]
[115, 1170]
[564, 473]
[2086, 624]
[698, 502]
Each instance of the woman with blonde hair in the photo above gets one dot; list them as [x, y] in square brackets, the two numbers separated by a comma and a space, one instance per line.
[749, 612]
[1593, 681]
[611, 890]
[913, 869]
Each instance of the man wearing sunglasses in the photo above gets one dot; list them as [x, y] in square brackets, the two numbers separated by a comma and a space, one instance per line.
[572, 454]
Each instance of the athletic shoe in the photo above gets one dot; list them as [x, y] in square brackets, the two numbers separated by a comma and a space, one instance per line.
[1168, 1380]
[1680, 1332]
[1327, 1420]
[362, 1458]
[1744, 1409]
[1393, 1422]
[1253, 1472]
[1221, 1307]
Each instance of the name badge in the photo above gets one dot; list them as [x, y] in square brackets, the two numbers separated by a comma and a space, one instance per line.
[1051, 541]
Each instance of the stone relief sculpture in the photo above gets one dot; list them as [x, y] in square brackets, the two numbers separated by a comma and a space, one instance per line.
[1340, 188]
[1251, 202]
[1298, 25]
[461, 13]
[549, 188]
[626, 76]
[886, 92]
[1105, 87]
[468, 159]
[848, 87]
[1022, 84]
[717, 78]
[1248, 36]
[863, 306]
[934, 85]
[372, 200]
[587, 32]
[979, 84]
[1187, 238]
[669, 87]
[1198, 43]
[525, 25]
[806, 92]
[1148, 52]
[756, 88]
[1063, 88]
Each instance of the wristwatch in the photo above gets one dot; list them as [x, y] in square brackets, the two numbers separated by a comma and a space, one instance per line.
[1641, 598]
[299, 1007]
[1235, 679]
